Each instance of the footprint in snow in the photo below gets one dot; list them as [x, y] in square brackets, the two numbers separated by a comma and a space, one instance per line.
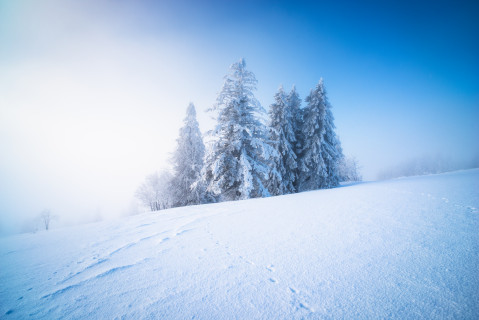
[273, 280]
[270, 268]
[305, 306]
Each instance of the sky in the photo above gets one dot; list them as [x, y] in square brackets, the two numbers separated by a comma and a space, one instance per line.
[93, 93]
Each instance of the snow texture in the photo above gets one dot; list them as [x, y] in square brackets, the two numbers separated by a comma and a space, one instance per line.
[399, 249]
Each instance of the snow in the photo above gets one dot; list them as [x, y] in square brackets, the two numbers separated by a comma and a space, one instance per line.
[404, 248]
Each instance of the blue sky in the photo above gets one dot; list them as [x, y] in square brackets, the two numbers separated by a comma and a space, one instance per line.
[402, 76]
[92, 93]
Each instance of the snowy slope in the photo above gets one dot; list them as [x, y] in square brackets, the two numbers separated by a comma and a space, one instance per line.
[406, 248]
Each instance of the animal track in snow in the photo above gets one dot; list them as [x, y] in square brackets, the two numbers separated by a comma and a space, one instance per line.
[305, 306]
[300, 304]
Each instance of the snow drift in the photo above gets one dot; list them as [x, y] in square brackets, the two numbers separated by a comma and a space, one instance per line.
[406, 248]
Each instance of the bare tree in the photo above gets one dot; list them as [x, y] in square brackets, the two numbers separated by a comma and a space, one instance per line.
[155, 192]
[349, 169]
[46, 217]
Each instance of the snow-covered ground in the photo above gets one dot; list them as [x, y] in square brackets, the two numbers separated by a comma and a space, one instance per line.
[406, 248]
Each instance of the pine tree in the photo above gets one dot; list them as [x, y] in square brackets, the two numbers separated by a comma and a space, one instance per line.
[238, 165]
[282, 128]
[188, 162]
[321, 150]
[332, 151]
[294, 103]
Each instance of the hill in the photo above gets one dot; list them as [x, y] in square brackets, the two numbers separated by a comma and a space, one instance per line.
[405, 248]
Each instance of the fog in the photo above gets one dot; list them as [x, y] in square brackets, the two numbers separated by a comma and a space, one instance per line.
[85, 113]
[92, 95]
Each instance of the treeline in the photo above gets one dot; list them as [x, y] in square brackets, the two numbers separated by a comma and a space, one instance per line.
[251, 153]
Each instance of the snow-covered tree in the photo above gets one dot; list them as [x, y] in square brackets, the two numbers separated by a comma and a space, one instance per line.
[294, 103]
[332, 151]
[46, 217]
[282, 134]
[188, 162]
[349, 169]
[155, 191]
[238, 166]
[321, 150]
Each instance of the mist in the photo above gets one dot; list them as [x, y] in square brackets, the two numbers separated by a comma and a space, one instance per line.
[86, 114]
[92, 95]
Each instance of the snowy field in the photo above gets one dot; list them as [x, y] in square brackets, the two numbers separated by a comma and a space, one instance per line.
[403, 249]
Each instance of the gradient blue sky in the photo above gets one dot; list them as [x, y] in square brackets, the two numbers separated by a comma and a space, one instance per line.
[92, 93]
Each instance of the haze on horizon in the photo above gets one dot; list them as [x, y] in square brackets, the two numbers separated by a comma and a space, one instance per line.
[92, 93]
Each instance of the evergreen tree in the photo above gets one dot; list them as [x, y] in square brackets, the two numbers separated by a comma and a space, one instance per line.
[188, 162]
[238, 166]
[294, 103]
[321, 150]
[282, 133]
[332, 151]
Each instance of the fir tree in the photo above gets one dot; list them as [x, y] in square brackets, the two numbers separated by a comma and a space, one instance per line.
[294, 103]
[238, 164]
[321, 150]
[188, 162]
[282, 128]
[332, 151]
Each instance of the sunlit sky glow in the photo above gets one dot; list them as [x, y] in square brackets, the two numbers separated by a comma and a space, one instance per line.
[92, 93]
